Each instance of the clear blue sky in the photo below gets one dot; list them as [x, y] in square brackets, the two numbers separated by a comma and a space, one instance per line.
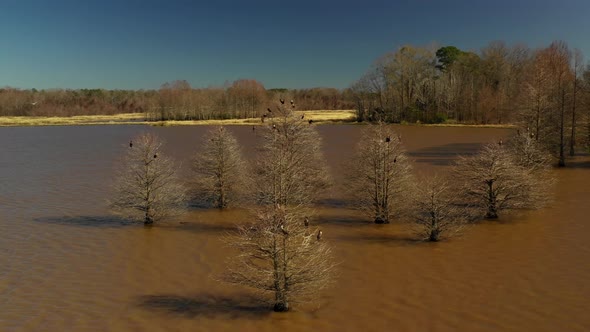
[140, 44]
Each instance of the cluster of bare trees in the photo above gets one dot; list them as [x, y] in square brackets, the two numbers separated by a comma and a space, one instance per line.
[177, 100]
[279, 253]
[546, 90]
[499, 177]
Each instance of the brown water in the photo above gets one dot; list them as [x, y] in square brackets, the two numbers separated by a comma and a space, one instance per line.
[67, 265]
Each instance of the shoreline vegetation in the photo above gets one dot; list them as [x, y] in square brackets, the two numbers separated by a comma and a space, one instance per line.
[317, 116]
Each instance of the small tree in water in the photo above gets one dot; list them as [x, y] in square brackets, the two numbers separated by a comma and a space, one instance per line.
[278, 254]
[146, 187]
[380, 174]
[221, 172]
[492, 182]
[434, 210]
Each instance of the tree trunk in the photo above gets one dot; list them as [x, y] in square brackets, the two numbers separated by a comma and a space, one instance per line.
[492, 209]
[573, 134]
[561, 130]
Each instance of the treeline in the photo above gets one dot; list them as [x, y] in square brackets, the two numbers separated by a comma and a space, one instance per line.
[173, 101]
[546, 91]
[500, 84]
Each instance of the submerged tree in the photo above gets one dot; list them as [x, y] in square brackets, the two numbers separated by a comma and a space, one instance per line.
[279, 255]
[146, 186]
[380, 174]
[435, 211]
[493, 182]
[221, 172]
[290, 168]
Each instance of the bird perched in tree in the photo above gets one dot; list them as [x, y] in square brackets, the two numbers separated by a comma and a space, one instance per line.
[269, 110]
[306, 221]
[155, 156]
[274, 127]
[130, 144]
[395, 160]
[319, 236]
[282, 101]
[302, 116]
[310, 121]
[284, 230]
[387, 139]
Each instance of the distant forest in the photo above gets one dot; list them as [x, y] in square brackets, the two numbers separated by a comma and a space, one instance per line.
[499, 84]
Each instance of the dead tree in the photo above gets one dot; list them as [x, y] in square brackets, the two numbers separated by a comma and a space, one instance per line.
[146, 187]
[492, 182]
[380, 174]
[435, 212]
[290, 168]
[280, 258]
[277, 252]
[221, 174]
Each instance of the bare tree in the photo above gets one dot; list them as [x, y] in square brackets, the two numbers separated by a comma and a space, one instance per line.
[290, 168]
[277, 252]
[278, 255]
[380, 173]
[146, 187]
[493, 182]
[221, 172]
[435, 211]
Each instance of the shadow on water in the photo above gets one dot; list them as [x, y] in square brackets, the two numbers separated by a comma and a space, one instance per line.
[201, 227]
[346, 221]
[88, 221]
[444, 155]
[205, 305]
[578, 164]
[380, 238]
[333, 203]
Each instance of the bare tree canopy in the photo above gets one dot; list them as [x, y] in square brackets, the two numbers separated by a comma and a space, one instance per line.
[493, 182]
[290, 168]
[435, 212]
[278, 255]
[221, 172]
[146, 187]
[380, 174]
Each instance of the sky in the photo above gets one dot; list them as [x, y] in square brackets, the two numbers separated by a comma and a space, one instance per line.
[140, 44]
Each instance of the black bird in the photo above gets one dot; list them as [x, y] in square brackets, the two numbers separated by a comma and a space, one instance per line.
[155, 156]
[302, 116]
[283, 230]
[319, 236]
[310, 121]
[282, 101]
[130, 144]
[306, 221]
[269, 110]
[387, 139]
[394, 160]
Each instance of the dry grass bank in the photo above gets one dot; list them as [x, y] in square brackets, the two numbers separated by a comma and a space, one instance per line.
[126, 118]
[318, 116]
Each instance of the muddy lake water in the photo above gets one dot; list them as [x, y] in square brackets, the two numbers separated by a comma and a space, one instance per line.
[66, 264]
